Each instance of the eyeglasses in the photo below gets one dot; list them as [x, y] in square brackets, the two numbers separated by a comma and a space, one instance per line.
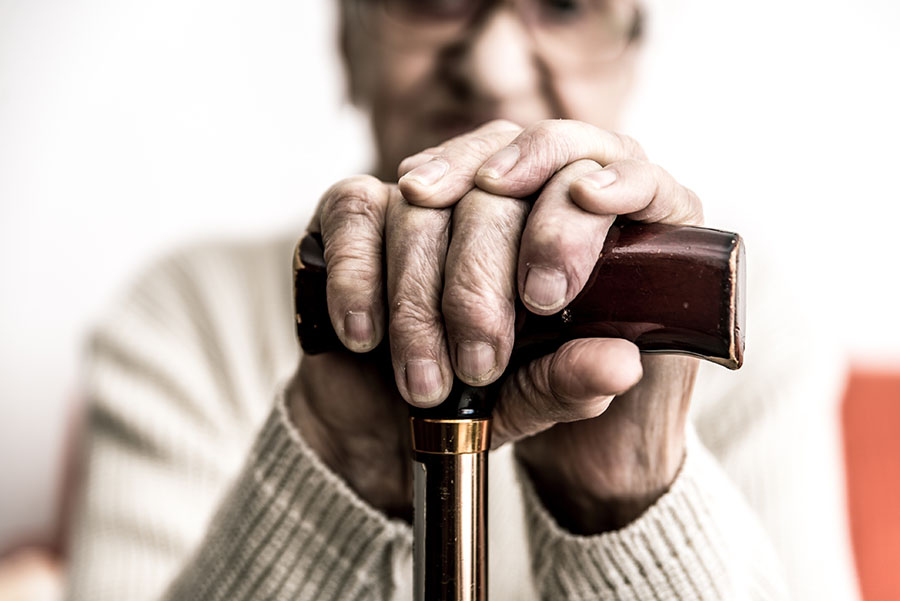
[582, 31]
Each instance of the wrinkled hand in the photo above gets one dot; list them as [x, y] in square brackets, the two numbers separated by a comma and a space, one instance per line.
[448, 308]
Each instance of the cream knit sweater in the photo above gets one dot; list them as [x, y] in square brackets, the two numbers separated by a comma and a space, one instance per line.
[198, 488]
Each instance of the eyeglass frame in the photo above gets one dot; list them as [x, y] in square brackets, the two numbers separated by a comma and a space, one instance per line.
[633, 33]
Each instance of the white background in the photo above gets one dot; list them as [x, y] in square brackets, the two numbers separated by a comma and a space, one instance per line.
[128, 127]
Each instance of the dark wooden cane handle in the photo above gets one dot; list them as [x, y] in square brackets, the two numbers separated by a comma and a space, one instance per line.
[666, 288]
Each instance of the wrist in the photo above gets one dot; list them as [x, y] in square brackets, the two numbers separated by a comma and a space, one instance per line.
[608, 492]
[373, 462]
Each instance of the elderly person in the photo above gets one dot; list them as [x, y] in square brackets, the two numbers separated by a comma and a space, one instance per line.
[499, 172]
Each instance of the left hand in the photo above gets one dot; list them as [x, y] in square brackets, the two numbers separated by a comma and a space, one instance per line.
[602, 472]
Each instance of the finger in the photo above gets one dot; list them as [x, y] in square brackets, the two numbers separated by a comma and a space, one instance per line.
[351, 220]
[411, 162]
[578, 381]
[639, 190]
[560, 244]
[416, 241]
[522, 167]
[480, 284]
[444, 178]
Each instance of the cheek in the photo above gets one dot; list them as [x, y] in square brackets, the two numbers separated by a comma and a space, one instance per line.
[598, 97]
[400, 76]
[412, 72]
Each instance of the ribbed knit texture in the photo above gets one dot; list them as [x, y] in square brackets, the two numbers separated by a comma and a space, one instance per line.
[698, 541]
[192, 493]
[291, 529]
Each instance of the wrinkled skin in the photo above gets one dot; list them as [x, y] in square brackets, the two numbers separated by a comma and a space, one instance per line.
[528, 200]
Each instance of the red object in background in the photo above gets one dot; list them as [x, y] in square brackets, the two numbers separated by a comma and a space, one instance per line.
[871, 414]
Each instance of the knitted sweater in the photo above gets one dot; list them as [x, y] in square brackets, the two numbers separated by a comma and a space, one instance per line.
[197, 485]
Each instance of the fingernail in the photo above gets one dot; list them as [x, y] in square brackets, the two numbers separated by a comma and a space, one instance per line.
[475, 360]
[423, 380]
[600, 179]
[545, 288]
[501, 163]
[429, 173]
[358, 328]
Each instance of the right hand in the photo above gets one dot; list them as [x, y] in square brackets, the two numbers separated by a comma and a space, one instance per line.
[449, 308]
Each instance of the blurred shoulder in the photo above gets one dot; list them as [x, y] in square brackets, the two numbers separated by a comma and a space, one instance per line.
[213, 320]
[218, 278]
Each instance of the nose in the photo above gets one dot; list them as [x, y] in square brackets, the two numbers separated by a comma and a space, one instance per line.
[496, 59]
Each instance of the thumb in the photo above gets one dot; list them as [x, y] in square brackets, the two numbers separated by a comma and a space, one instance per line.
[577, 382]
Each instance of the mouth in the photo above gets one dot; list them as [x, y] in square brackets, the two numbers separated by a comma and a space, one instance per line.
[445, 124]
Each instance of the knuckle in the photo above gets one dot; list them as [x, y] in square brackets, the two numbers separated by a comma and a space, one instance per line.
[546, 399]
[355, 185]
[672, 202]
[631, 146]
[352, 207]
[359, 196]
[508, 426]
[413, 321]
[474, 201]
[353, 268]
[562, 405]
[551, 234]
[523, 412]
[416, 247]
[482, 219]
[349, 247]
[547, 140]
[488, 231]
[695, 208]
[479, 146]
[659, 205]
[560, 243]
[423, 224]
[476, 307]
[542, 132]
[483, 207]
[539, 401]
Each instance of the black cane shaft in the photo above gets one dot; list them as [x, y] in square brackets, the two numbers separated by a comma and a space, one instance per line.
[451, 545]
[450, 467]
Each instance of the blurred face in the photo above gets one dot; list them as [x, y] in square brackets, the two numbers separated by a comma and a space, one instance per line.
[431, 69]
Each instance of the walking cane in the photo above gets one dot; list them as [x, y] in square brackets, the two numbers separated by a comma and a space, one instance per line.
[666, 288]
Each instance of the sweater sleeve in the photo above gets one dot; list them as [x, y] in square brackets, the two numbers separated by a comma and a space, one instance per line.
[189, 490]
[758, 510]
[291, 529]
[699, 541]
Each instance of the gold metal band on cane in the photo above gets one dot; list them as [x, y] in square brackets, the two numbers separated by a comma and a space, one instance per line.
[450, 436]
